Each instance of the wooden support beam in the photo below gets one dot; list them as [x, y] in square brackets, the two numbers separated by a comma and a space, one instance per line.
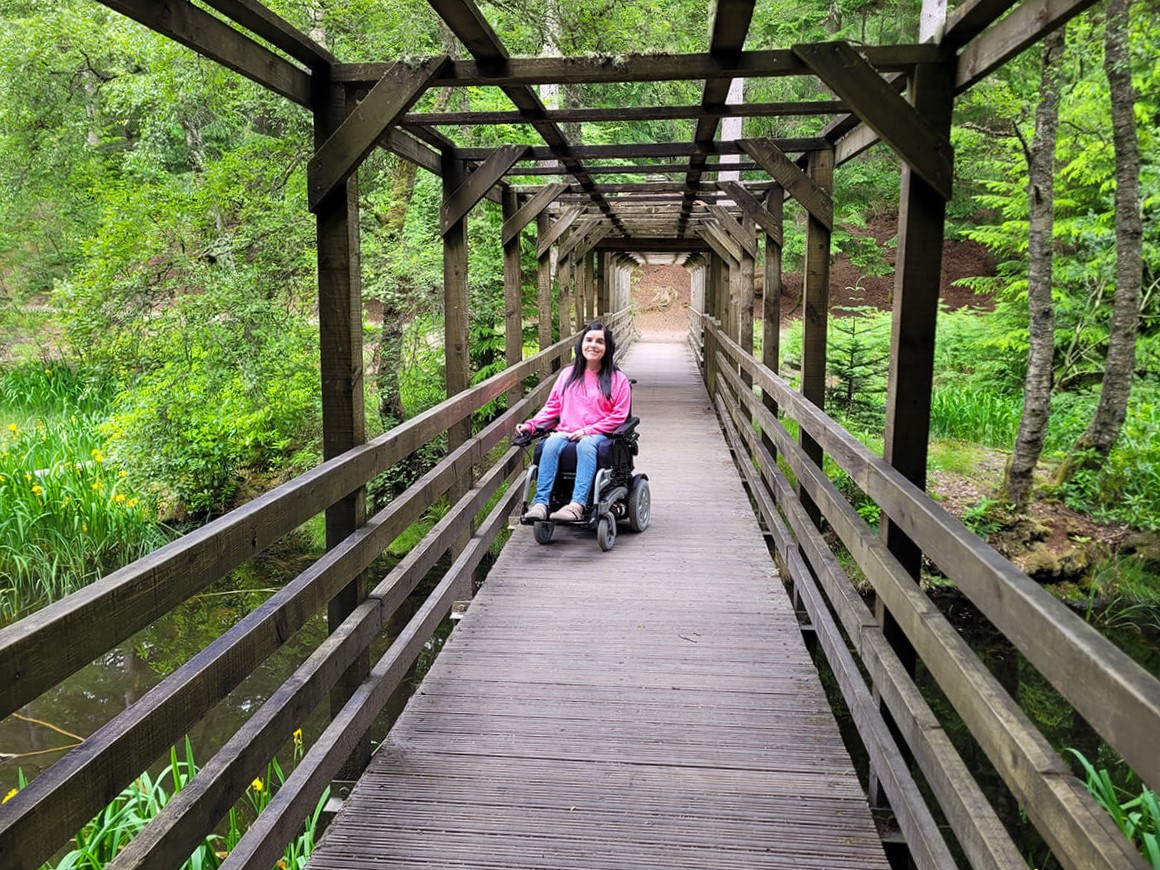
[457, 368]
[596, 69]
[816, 292]
[751, 205]
[544, 284]
[649, 150]
[343, 398]
[281, 34]
[796, 183]
[631, 169]
[723, 246]
[734, 229]
[1028, 23]
[513, 297]
[195, 28]
[342, 153]
[530, 210]
[620, 114]
[569, 245]
[874, 101]
[593, 239]
[483, 179]
[647, 245]
[557, 229]
[771, 300]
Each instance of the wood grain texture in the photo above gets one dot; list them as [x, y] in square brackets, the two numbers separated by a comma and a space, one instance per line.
[652, 706]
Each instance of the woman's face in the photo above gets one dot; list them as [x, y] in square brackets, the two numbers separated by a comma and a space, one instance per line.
[593, 347]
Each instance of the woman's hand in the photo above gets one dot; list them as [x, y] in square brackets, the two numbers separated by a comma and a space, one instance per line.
[573, 436]
[522, 428]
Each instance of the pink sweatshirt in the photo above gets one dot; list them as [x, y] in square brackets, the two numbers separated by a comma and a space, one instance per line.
[584, 407]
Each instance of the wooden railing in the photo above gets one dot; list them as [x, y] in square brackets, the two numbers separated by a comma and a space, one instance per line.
[1115, 695]
[39, 652]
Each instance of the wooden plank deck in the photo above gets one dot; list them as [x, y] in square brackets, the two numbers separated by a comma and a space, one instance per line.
[653, 706]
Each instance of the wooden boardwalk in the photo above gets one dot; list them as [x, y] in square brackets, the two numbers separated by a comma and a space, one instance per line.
[653, 706]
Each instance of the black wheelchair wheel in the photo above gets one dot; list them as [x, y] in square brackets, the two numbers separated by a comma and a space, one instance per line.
[639, 505]
[543, 532]
[606, 532]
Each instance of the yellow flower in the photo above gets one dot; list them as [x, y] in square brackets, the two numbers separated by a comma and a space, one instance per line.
[132, 502]
[297, 736]
[12, 427]
[84, 527]
[10, 795]
[98, 457]
[48, 371]
[38, 490]
[256, 785]
[119, 498]
[28, 477]
[122, 473]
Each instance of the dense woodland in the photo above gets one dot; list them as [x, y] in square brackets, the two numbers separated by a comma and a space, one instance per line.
[158, 333]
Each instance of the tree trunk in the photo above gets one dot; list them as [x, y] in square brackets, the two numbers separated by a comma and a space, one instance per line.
[1040, 255]
[1096, 442]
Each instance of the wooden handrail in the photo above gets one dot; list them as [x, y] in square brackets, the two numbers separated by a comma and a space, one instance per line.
[1055, 800]
[60, 800]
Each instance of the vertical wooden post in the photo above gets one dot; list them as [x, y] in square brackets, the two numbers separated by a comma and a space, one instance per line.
[457, 375]
[564, 278]
[712, 292]
[581, 285]
[771, 302]
[817, 306]
[604, 307]
[745, 301]
[544, 283]
[513, 297]
[343, 417]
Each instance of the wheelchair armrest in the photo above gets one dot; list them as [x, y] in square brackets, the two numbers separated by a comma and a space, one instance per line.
[528, 437]
[625, 428]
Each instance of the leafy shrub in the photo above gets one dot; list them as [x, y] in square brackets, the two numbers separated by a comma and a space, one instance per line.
[1138, 816]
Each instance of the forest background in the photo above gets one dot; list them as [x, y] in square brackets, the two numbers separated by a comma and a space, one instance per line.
[157, 269]
[158, 331]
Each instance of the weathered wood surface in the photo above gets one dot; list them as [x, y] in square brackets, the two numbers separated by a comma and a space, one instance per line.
[653, 706]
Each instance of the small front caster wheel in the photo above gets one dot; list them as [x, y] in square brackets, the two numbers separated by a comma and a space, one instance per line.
[606, 532]
[543, 532]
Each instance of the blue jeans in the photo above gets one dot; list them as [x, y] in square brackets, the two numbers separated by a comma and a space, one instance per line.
[585, 466]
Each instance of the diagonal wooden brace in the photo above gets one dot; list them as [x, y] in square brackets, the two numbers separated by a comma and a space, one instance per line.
[342, 154]
[475, 188]
[530, 210]
[753, 207]
[724, 246]
[557, 229]
[887, 113]
[786, 173]
[574, 238]
[727, 223]
[592, 239]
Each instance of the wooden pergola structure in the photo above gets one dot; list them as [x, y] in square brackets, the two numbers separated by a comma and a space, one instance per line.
[902, 95]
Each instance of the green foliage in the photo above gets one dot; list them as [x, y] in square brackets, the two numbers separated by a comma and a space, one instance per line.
[69, 513]
[1137, 815]
[857, 363]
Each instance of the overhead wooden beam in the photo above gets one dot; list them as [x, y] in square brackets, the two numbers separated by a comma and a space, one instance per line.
[1028, 23]
[589, 244]
[576, 236]
[628, 113]
[728, 27]
[472, 29]
[914, 140]
[557, 229]
[405, 146]
[195, 28]
[483, 179]
[639, 67]
[647, 245]
[342, 153]
[530, 210]
[654, 150]
[786, 173]
[632, 169]
[734, 229]
[748, 203]
[261, 21]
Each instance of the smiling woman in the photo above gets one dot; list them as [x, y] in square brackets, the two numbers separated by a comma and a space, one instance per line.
[586, 403]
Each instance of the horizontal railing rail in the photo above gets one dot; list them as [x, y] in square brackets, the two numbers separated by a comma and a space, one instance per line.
[1118, 698]
[41, 651]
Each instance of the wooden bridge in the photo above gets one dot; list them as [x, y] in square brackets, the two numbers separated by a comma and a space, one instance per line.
[654, 705]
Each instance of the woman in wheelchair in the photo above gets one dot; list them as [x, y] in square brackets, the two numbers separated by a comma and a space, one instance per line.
[587, 402]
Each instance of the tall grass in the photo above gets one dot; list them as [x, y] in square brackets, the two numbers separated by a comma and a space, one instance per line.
[978, 416]
[67, 514]
[1137, 815]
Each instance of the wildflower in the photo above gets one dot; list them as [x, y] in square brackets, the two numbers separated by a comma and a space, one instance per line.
[119, 498]
[132, 502]
[84, 527]
[97, 457]
[48, 371]
[96, 485]
[256, 785]
[12, 427]
[28, 477]
[122, 473]
[10, 795]
[38, 490]
[297, 736]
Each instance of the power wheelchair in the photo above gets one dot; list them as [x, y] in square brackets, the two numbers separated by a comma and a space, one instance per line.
[617, 494]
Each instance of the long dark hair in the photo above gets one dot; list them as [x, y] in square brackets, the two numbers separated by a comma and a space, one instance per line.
[607, 366]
